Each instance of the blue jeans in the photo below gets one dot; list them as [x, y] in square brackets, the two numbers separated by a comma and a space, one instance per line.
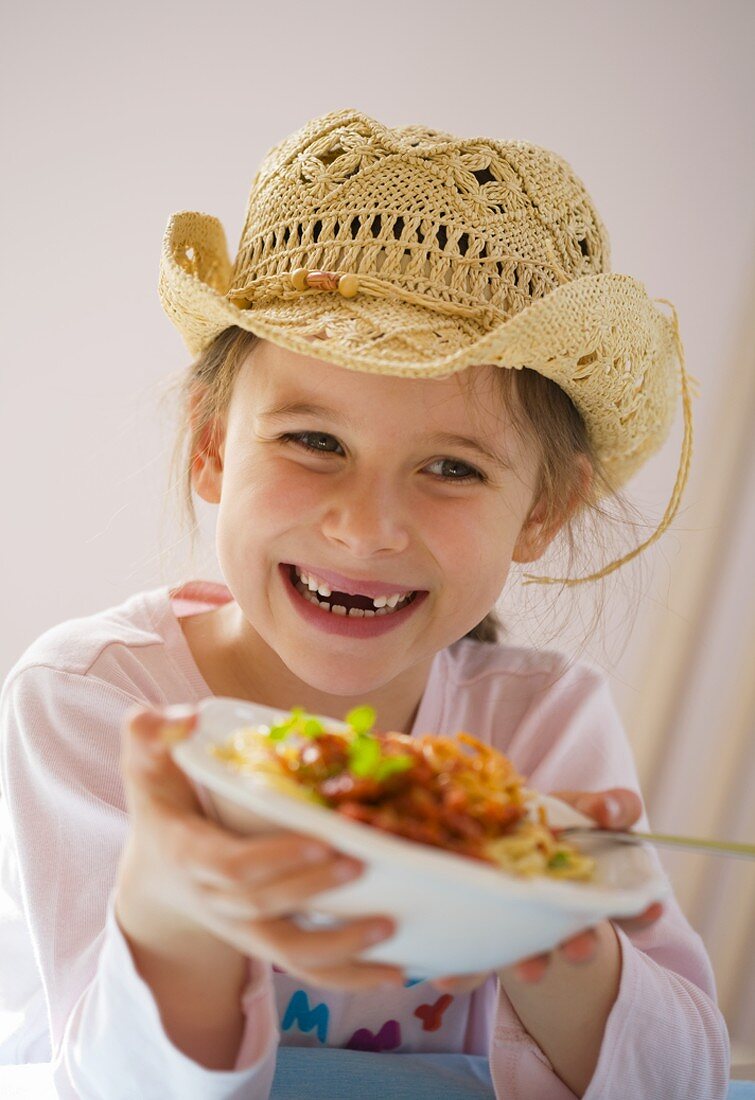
[328, 1073]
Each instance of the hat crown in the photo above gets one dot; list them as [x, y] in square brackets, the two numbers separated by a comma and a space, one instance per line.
[473, 222]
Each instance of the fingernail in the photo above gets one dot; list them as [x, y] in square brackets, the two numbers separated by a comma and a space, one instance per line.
[346, 870]
[379, 931]
[614, 809]
[179, 712]
[173, 735]
[178, 721]
[316, 853]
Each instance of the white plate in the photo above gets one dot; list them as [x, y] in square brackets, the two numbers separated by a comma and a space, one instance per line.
[454, 915]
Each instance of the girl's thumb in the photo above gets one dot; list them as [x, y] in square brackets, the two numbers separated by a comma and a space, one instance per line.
[615, 808]
[148, 736]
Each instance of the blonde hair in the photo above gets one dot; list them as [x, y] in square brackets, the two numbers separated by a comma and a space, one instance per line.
[539, 409]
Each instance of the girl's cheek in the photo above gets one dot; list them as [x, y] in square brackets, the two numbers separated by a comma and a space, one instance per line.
[290, 495]
[253, 483]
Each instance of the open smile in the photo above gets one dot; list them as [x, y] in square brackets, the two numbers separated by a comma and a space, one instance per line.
[353, 616]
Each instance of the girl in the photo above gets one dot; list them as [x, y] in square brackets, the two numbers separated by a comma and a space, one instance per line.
[348, 412]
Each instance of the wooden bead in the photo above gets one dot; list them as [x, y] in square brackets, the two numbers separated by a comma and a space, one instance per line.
[299, 278]
[323, 280]
[348, 286]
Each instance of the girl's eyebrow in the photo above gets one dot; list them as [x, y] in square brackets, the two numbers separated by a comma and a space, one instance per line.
[448, 439]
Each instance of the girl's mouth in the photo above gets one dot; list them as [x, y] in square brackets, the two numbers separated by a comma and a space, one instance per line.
[351, 616]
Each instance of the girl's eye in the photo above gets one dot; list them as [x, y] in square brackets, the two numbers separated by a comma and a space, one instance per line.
[473, 475]
[301, 439]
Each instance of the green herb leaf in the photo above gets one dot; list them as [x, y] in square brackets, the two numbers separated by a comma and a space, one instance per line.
[311, 728]
[364, 755]
[559, 859]
[299, 722]
[389, 765]
[277, 733]
[361, 719]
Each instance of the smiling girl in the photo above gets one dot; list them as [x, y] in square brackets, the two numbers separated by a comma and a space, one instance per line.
[417, 372]
[358, 484]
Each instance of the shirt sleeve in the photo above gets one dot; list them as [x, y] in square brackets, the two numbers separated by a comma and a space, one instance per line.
[665, 1035]
[60, 774]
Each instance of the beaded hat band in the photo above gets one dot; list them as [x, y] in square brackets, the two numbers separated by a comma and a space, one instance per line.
[419, 254]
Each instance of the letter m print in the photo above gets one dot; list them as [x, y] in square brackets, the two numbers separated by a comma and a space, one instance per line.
[298, 1012]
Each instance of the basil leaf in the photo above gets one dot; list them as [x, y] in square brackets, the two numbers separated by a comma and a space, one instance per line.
[277, 733]
[361, 719]
[312, 728]
[364, 755]
[299, 722]
[389, 765]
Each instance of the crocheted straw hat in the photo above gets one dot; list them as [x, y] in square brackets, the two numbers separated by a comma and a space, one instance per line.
[421, 253]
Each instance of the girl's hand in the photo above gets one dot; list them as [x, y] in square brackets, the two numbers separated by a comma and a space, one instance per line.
[617, 808]
[181, 872]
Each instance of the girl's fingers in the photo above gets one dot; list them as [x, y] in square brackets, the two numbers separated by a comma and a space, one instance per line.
[580, 948]
[615, 808]
[282, 939]
[642, 920]
[533, 968]
[148, 766]
[324, 957]
[282, 894]
[148, 735]
[223, 860]
[576, 949]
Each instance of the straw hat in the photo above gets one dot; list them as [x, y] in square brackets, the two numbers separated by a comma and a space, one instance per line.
[420, 254]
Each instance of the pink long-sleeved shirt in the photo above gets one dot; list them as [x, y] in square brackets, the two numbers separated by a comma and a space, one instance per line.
[68, 984]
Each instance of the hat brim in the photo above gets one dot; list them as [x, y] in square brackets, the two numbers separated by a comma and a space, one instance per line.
[599, 337]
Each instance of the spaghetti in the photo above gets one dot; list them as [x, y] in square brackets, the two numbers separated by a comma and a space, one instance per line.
[454, 793]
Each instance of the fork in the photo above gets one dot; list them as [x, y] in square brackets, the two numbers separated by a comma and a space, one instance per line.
[711, 847]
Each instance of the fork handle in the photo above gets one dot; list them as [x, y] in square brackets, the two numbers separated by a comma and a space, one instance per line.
[664, 840]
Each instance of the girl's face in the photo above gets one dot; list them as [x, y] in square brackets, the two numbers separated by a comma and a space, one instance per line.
[379, 496]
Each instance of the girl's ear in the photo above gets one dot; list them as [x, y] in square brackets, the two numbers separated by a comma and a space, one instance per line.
[534, 538]
[207, 459]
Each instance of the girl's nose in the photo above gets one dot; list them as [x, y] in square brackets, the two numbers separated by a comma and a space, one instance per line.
[366, 518]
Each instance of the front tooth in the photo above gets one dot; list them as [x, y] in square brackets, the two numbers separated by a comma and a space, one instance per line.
[324, 590]
[356, 612]
[382, 611]
[338, 609]
[380, 601]
[369, 614]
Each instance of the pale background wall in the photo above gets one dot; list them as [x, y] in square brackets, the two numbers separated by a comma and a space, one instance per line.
[113, 116]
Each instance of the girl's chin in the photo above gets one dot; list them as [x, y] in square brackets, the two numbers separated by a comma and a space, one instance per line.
[332, 678]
